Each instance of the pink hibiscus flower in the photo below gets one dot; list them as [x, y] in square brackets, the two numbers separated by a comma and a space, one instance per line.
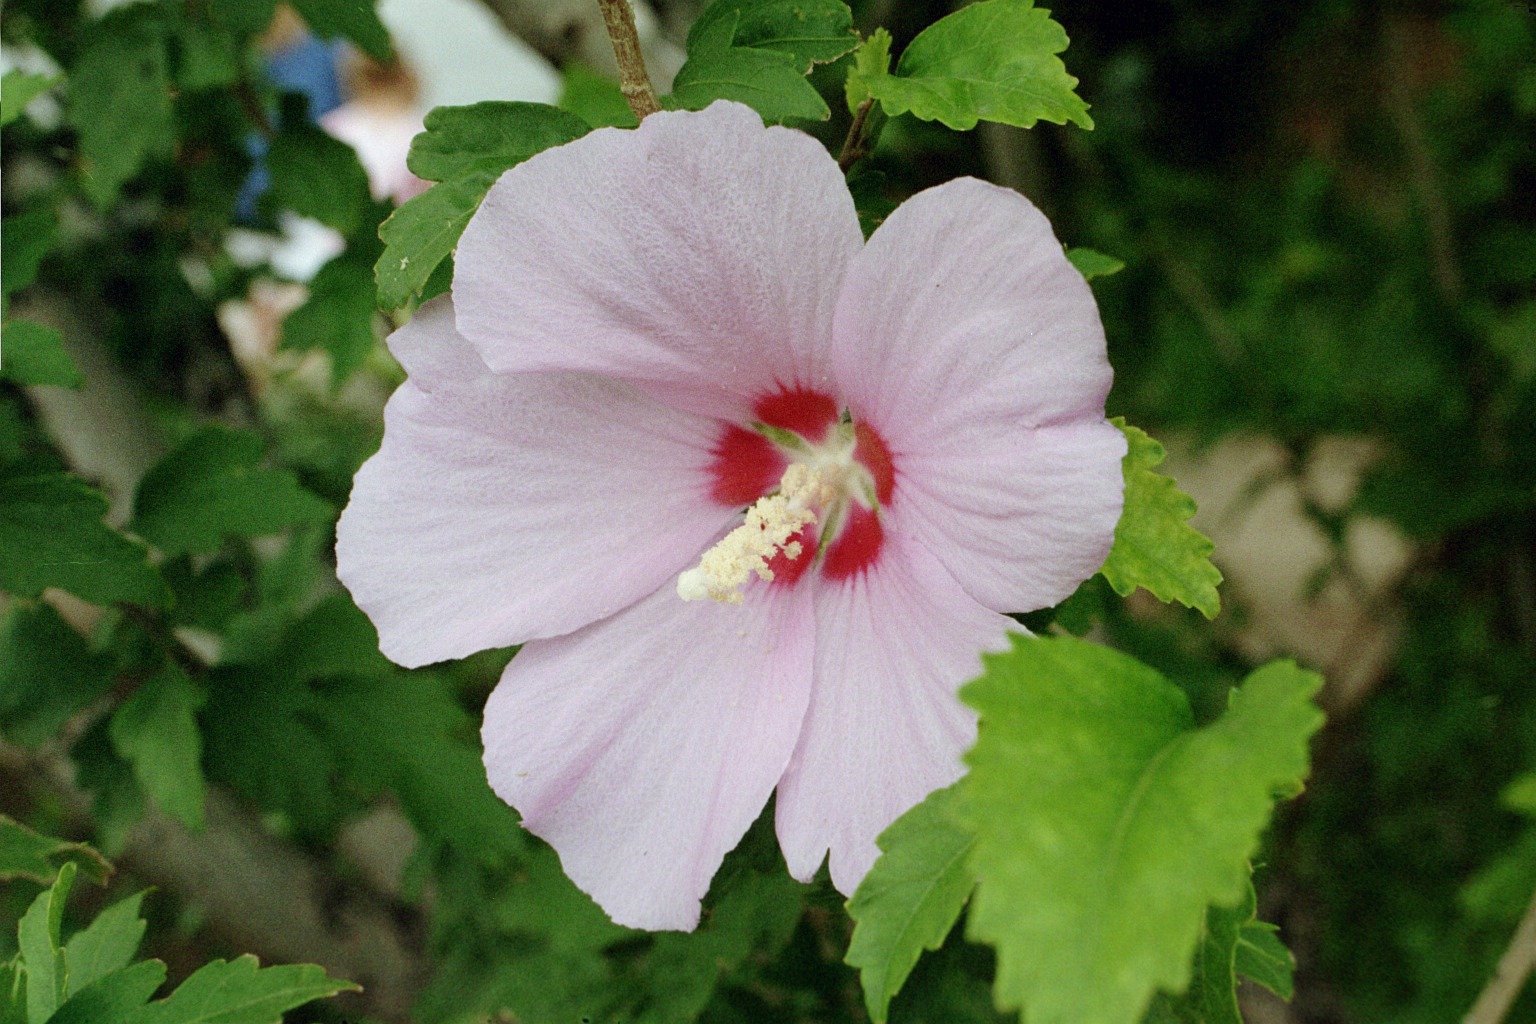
[752, 492]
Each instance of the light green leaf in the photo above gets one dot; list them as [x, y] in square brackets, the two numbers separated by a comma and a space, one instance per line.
[37, 937]
[106, 945]
[871, 60]
[808, 31]
[31, 353]
[120, 101]
[214, 486]
[1091, 263]
[39, 858]
[351, 19]
[25, 239]
[465, 149]
[911, 898]
[338, 317]
[989, 61]
[1212, 994]
[315, 174]
[1155, 547]
[594, 98]
[241, 992]
[19, 88]
[1107, 823]
[13, 992]
[114, 999]
[156, 732]
[51, 535]
[1263, 958]
[1520, 795]
[768, 81]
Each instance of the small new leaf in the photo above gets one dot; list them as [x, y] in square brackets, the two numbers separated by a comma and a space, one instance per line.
[37, 938]
[911, 898]
[156, 732]
[1091, 263]
[51, 535]
[241, 992]
[31, 353]
[19, 88]
[1155, 547]
[38, 858]
[464, 149]
[989, 61]
[1263, 958]
[1106, 824]
[214, 486]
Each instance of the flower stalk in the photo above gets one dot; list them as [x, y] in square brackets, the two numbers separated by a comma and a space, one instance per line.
[634, 82]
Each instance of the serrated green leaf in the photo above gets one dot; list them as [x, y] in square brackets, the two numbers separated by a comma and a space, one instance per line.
[214, 486]
[1107, 824]
[38, 858]
[768, 81]
[911, 898]
[464, 149]
[19, 88]
[114, 999]
[989, 61]
[47, 673]
[1091, 263]
[156, 732]
[871, 60]
[51, 535]
[25, 239]
[37, 937]
[338, 317]
[120, 101]
[1263, 958]
[31, 353]
[105, 946]
[315, 174]
[808, 31]
[1155, 547]
[242, 992]
[351, 19]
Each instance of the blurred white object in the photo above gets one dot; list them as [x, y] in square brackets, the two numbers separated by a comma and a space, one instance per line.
[464, 55]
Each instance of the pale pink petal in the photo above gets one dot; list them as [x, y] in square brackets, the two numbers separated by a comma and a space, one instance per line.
[502, 508]
[969, 342]
[700, 253]
[642, 747]
[884, 728]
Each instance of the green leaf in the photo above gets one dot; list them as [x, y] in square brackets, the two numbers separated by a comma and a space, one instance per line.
[871, 61]
[1263, 958]
[989, 61]
[1212, 994]
[808, 31]
[47, 673]
[51, 535]
[243, 16]
[25, 239]
[465, 149]
[338, 316]
[1107, 824]
[214, 486]
[315, 174]
[19, 88]
[114, 999]
[106, 945]
[39, 858]
[352, 19]
[242, 992]
[156, 732]
[1155, 547]
[768, 81]
[911, 898]
[209, 57]
[594, 98]
[120, 101]
[1091, 263]
[31, 353]
[37, 937]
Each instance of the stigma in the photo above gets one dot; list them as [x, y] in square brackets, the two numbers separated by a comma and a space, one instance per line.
[768, 531]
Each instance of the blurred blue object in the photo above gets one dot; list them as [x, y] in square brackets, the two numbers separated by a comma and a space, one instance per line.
[309, 67]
